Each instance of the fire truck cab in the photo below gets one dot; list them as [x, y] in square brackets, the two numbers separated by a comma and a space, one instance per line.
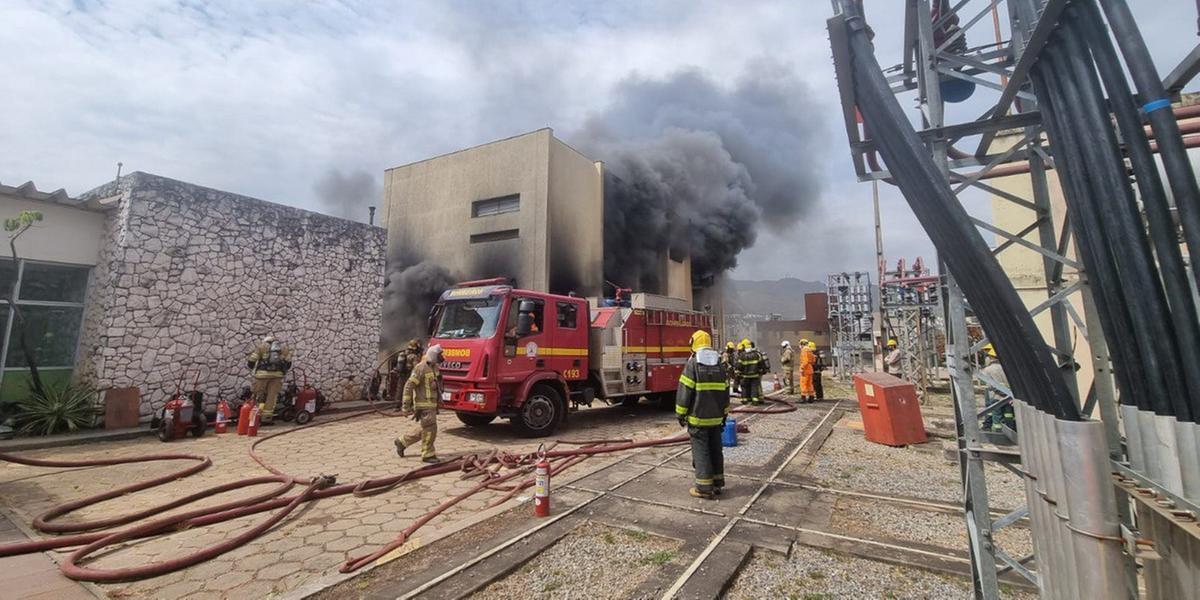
[528, 356]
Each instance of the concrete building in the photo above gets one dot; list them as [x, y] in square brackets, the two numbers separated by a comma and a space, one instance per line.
[528, 207]
[814, 327]
[140, 280]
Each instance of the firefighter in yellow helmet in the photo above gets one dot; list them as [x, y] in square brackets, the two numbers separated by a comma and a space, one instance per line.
[268, 363]
[701, 405]
[891, 360]
[818, 366]
[1002, 414]
[421, 394]
[787, 360]
[808, 358]
[751, 367]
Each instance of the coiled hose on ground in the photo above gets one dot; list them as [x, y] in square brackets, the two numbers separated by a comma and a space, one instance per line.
[92, 536]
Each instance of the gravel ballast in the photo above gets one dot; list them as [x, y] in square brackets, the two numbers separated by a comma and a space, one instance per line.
[848, 461]
[593, 561]
[819, 575]
[906, 524]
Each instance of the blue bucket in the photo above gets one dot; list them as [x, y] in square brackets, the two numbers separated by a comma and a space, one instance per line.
[729, 434]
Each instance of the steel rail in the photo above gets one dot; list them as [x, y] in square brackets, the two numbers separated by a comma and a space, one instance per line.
[741, 514]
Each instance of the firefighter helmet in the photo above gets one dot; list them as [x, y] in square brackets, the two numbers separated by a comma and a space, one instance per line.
[701, 339]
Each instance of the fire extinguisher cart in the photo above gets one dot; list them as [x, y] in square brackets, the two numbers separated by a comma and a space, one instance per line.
[183, 413]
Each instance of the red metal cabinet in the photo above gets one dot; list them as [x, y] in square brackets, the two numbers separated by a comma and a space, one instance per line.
[890, 412]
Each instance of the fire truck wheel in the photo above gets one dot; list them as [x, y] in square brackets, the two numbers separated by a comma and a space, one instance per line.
[630, 401]
[200, 426]
[474, 420]
[541, 412]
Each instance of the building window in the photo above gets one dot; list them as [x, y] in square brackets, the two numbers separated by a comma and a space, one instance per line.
[568, 315]
[496, 206]
[50, 298]
[495, 236]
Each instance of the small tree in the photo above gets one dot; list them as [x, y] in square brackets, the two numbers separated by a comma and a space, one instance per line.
[16, 227]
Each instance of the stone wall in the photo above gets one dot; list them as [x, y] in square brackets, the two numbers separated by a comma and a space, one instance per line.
[190, 277]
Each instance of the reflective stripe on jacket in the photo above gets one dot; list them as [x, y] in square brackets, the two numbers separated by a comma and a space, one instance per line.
[423, 388]
[703, 394]
[750, 363]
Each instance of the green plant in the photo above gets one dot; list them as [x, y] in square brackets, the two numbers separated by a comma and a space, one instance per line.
[659, 558]
[640, 536]
[56, 408]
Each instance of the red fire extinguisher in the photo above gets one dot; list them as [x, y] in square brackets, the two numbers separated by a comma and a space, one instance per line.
[222, 424]
[541, 484]
[252, 429]
[244, 417]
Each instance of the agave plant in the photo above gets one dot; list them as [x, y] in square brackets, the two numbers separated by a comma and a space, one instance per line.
[61, 407]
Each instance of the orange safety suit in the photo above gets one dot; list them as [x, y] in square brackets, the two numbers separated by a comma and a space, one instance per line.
[807, 359]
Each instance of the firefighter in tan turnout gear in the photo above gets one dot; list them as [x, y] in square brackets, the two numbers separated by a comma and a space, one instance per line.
[786, 362]
[406, 361]
[421, 394]
[701, 405]
[268, 363]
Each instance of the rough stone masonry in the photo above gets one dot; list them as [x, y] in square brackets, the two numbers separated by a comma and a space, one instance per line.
[190, 277]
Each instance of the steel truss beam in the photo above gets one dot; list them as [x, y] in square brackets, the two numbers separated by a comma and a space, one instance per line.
[1005, 70]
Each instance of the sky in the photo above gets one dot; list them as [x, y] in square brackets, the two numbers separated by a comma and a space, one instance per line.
[281, 100]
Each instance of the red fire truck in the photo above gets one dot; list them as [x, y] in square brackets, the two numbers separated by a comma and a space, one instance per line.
[527, 356]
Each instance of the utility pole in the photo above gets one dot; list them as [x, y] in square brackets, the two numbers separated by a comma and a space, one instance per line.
[880, 268]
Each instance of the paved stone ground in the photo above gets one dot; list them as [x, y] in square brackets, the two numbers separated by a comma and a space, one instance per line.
[312, 543]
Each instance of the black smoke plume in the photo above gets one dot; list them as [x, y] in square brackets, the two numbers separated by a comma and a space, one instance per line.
[410, 291]
[694, 167]
[347, 195]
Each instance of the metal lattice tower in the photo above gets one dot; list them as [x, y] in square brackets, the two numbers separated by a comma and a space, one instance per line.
[851, 322]
[910, 301]
[946, 54]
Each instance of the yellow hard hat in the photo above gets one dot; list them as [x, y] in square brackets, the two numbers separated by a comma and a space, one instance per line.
[990, 349]
[812, 345]
[891, 343]
[729, 345]
[803, 341]
[701, 339]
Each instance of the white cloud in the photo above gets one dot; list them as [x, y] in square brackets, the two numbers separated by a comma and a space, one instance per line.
[264, 97]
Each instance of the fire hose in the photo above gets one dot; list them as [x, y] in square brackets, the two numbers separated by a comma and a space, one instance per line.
[91, 536]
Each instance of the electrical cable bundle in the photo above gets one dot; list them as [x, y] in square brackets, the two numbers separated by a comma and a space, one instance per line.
[1145, 305]
[1031, 369]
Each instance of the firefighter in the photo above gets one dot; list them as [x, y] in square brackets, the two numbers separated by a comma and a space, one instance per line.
[421, 394]
[750, 370]
[818, 366]
[701, 405]
[729, 361]
[807, 359]
[268, 363]
[786, 357]
[1003, 415]
[402, 369]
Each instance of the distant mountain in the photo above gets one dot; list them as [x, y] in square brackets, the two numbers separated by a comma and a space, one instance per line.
[781, 296]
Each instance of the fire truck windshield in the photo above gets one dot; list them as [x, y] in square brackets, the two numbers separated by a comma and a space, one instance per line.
[469, 319]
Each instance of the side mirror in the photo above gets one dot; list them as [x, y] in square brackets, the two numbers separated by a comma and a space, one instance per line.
[525, 318]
